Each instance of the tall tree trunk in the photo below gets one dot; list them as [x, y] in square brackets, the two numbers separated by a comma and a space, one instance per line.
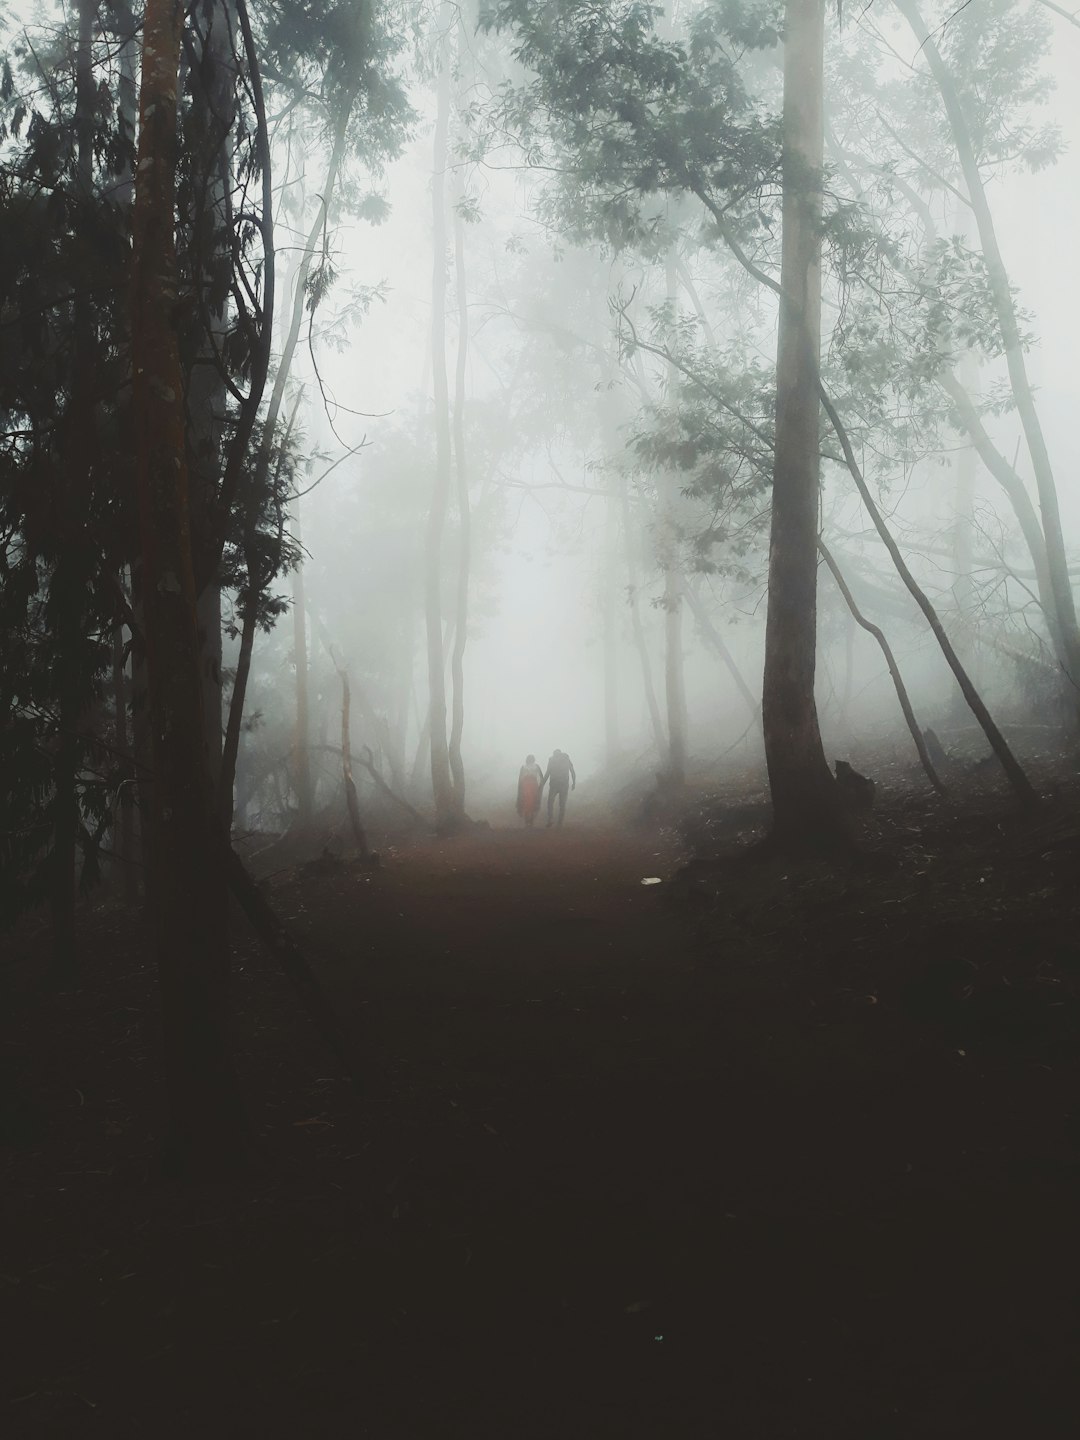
[441, 779]
[301, 739]
[249, 624]
[674, 671]
[806, 804]
[1022, 786]
[71, 577]
[125, 830]
[716, 640]
[249, 612]
[894, 669]
[261, 471]
[638, 629]
[610, 608]
[352, 803]
[189, 890]
[1005, 309]
[457, 669]
[967, 419]
[214, 101]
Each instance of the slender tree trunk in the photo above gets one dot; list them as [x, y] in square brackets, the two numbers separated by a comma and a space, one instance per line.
[125, 831]
[674, 670]
[894, 669]
[71, 575]
[1005, 308]
[457, 768]
[441, 779]
[257, 482]
[301, 742]
[610, 604]
[189, 890]
[1017, 779]
[1018, 497]
[806, 805]
[352, 803]
[214, 101]
[674, 674]
[638, 629]
[716, 640]
[231, 749]
[249, 624]
[967, 419]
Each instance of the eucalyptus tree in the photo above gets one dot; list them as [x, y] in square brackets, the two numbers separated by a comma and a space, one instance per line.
[918, 155]
[189, 883]
[629, 115]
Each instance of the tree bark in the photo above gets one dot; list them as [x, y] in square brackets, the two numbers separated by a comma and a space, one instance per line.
[806, 805]
[189, 891]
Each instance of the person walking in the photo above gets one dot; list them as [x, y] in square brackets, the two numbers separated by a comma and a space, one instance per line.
[560, 777]
[530, 785]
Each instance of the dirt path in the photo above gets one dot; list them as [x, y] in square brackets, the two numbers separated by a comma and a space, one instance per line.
[612, 1174]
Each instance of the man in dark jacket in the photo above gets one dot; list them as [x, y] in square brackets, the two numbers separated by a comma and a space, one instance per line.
[560, 777]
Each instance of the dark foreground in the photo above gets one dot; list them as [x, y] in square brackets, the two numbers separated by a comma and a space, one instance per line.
[790, 1153]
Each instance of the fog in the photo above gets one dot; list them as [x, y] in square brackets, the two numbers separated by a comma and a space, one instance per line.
[548, 556]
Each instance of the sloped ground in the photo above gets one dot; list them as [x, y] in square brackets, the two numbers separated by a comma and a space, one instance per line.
[770, 1151]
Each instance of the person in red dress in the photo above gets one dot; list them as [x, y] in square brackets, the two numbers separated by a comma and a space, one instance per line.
[530, 777]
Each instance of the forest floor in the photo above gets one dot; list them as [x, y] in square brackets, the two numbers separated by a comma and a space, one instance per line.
[766, 1151]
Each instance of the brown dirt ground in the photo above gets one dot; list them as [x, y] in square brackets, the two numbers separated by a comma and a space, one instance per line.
[772, 1151]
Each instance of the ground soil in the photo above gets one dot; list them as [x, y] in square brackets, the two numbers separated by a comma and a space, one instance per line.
[763, 1150]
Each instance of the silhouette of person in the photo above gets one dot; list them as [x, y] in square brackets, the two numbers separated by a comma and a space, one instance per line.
[559, 776]
[530, 784]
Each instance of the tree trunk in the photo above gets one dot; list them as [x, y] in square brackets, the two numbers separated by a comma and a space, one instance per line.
[441, 779]
[125, 831]
[457, 768]
[659, 738]
[231, 749]
[1017, 779]
[1005, 308]
[214, 103]
[894, 669]
[610, 604]
[806, 804]
[352, 803]
[716, 640]
[189, 890]
[674, 674]
[301, 741]
[249, 623]
[71, 576]
[674, 671]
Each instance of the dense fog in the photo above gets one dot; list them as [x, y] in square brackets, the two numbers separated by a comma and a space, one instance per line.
[548, 557]
[521, 270]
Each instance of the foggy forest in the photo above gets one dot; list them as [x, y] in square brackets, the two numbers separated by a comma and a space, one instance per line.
[539, 718]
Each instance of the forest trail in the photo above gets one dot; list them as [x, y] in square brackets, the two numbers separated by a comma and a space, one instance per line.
[615, 1170]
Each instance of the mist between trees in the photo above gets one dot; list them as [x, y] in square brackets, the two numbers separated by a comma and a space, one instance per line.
[390, 390]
